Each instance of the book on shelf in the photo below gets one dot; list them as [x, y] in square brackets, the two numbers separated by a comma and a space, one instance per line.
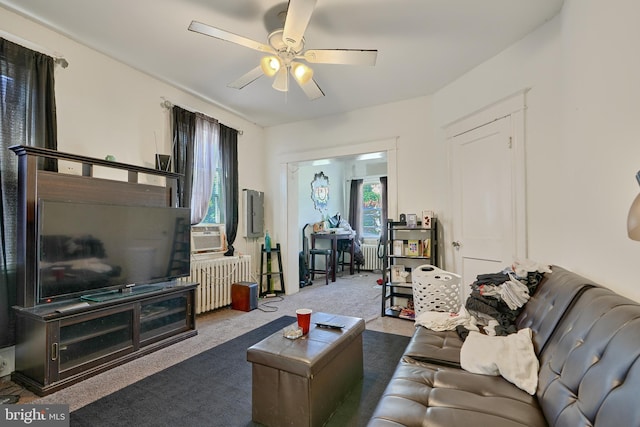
[413, 248]
[412, 220]
[398, 247]
[427, 217]
[426, 248]
[398, 273]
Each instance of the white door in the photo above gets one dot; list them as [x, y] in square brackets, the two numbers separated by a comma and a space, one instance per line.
[486, 215]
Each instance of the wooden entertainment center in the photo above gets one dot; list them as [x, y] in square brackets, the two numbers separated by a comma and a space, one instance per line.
[65, 341]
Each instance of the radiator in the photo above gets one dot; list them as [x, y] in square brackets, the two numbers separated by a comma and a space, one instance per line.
[371, 260]
[215, 277]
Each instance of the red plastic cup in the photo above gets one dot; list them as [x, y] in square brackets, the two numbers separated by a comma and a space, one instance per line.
[304, 319]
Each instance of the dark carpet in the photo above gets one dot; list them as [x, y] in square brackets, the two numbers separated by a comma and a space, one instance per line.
[214, 388]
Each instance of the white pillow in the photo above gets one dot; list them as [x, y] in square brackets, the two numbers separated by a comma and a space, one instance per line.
[511, 356]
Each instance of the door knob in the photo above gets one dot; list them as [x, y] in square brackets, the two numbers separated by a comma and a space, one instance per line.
[455, 244]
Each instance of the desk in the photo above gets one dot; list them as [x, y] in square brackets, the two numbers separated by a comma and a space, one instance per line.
[334, 237]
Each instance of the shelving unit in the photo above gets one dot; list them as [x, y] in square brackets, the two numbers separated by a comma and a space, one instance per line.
[408, 248]
[266, 262]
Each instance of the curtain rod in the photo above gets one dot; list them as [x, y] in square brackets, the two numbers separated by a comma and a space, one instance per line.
[57, 58]
[168, 105]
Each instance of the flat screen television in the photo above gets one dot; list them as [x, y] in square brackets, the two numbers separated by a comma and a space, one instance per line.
[89, 247]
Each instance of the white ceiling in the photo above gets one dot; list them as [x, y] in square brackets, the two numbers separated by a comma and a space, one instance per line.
[422, 45]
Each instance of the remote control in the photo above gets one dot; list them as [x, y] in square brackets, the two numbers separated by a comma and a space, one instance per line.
[329, 325]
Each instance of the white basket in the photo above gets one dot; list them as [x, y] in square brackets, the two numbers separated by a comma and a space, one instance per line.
[435, 290]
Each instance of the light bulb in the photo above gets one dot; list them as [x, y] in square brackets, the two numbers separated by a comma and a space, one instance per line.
[281, 82]
[633, 219]
[301, 72]
[270, 65]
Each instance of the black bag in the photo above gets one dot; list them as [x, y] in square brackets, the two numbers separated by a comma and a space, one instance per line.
[305, 276]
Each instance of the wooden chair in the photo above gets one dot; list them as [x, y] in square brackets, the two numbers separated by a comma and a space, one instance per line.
[313, 253]
[326, 253]
[347, 263]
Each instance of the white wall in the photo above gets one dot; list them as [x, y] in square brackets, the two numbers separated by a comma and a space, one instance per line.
[601, 138]
[581, 137]
[419, 158]
[307, 212]
[533, 64]
[105, 107]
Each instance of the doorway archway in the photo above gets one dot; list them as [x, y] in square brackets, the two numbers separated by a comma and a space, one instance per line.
[287, 208]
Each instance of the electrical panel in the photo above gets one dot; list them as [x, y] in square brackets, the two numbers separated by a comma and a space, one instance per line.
[253, 208]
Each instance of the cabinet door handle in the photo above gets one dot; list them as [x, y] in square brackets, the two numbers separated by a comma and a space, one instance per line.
[456, 244]
[54, 351]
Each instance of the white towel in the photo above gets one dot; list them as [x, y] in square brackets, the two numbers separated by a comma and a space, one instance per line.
[443, 321]
[522, 267]
[511, 356]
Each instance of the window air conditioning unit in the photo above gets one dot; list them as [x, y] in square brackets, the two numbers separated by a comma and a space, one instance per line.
[208, 238]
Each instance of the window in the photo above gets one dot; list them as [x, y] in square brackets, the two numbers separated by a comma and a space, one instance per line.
[206, 153]
[5, 82]
[371, 209]
[215, 213]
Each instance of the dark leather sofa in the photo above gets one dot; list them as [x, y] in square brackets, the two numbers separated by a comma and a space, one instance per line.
[587, 340]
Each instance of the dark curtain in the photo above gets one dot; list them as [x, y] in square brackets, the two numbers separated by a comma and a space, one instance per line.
[229, 157]
[385, 215]
[383, 197]
[355, 207]
[184, 130]
[27, 117]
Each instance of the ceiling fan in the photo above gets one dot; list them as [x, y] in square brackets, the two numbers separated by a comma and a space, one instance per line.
[285, 48]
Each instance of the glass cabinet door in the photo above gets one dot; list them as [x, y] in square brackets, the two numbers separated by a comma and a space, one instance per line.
[162, 317]
[92, 339]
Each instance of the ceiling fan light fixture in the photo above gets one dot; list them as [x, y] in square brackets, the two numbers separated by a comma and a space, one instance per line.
[270, 65]
[301, 72]
[285, 43]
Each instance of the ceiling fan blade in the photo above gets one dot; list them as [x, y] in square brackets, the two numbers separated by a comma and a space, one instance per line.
[298, 16]
[208, 30]
[311, 89]
[341, 56]
[250, 77]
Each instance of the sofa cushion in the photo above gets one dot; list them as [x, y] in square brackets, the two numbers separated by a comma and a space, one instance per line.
[442, 347]
[554, 295]
[422, 394]
[590, 368]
